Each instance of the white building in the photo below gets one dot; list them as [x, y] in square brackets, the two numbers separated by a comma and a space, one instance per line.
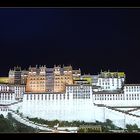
[11, 93]
[74, 104]
[128, 96]
[18, 90]
[132, 88]
[111, 80]
[6, 95]
[94, 79]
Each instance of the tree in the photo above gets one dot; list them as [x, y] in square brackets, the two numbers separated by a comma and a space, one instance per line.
[17, 111]
[130, 127]
[1, 116]
[109, 122]
[10, 124]
[81, 130]
[5, 125]
[135, 127]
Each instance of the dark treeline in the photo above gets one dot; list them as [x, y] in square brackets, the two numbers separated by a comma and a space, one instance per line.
[10, 125]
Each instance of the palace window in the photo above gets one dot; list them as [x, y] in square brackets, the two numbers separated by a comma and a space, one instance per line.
[8, 97]
[31, 97]
[64, 95]
[45, 97]
[67, 96]
[52, 96]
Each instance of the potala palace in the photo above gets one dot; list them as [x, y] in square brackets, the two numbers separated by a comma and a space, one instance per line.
[65, 94]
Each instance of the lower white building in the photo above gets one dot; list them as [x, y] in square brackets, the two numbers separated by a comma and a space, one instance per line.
[129, 96]
[75, 104]
[79, 102]
[6, 95]
[11, 93]
[18, 90]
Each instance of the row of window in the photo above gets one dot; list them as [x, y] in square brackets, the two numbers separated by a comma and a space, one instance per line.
[4, 109]
[109, 95]
[110, 87]
[109, 98]
[131, 90]
[49, 97]
[105, 83]
[19, 87]
[61, 81]
[37, 82]
[4, 88]
[77, 88]
[81, 96]
[12, 89]
[58, 78]
[109, 84]
[132, 87]
[37, 85]
[62, 85]
[18, 94]
[37, 88]
[88, 97]
[117, 97]
[6, 96]
[77, 91]
[37, 79]
[111, 79]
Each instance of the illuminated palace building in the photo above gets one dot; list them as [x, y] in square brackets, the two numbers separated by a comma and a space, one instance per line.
[50, 80]
[65, 94]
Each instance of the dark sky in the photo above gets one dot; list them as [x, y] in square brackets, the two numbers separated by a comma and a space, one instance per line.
[89, 38]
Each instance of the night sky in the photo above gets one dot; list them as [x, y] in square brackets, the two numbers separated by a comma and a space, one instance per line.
[88, 38]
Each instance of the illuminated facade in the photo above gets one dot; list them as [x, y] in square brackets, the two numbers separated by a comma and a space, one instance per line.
[17, 76]
[76, 73]
[50, 80]
[24, 75]
[36, 79]
[62, 77]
